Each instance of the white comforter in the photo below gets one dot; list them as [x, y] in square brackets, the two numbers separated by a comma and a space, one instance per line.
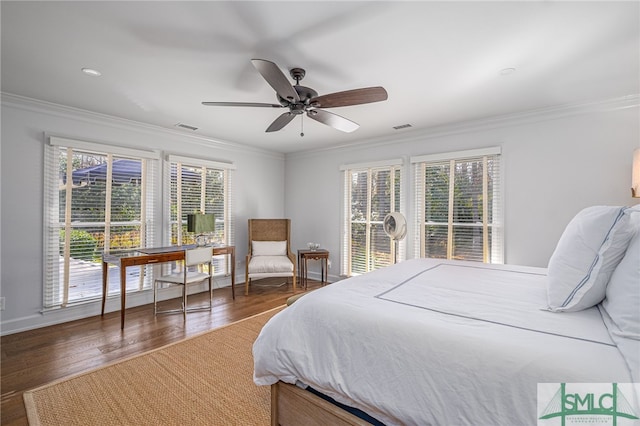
[430, 342]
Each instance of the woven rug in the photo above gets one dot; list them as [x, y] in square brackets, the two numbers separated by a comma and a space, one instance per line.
[203, 380]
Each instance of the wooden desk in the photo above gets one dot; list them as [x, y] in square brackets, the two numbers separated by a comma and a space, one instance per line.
[147, 256]
[304, 255]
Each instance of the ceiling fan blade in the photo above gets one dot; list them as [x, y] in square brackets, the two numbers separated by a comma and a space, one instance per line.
[243, 104]
[350, 97]
[333, 120]
[276, 79]
[280, 122]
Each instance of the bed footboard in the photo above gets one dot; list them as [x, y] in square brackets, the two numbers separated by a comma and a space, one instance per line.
[292, 406]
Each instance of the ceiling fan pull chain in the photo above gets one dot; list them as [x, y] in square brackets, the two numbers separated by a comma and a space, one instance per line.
[301, 125]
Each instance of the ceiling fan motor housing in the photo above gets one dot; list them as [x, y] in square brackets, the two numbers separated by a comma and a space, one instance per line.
[304, 93]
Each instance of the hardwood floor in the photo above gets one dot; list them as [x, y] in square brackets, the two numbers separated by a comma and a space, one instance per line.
[34, 358]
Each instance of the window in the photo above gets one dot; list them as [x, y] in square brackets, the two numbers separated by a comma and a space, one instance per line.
[97, 198]
[458, 205]
[198, 185]
[370, 193]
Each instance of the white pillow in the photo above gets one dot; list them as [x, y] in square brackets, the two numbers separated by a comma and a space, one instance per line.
[269, 248]
[588, 251]
[623, 291]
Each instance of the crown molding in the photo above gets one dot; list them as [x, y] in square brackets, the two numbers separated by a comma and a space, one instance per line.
[487, 123]
[58, 110]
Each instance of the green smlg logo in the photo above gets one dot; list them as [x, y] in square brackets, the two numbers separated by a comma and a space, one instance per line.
[588, 404]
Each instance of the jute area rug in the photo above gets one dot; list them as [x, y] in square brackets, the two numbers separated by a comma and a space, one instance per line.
[204, 380]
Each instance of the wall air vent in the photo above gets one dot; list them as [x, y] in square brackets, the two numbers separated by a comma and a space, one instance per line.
[187, 127]
[402, 126]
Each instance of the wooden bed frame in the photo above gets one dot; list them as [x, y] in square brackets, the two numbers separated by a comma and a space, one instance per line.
[292, 406]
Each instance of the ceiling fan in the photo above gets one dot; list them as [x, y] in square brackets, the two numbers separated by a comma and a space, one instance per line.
[300, 99]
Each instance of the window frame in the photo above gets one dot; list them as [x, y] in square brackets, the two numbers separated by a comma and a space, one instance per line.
[228, 206]
[155, 201]
[494, 254]
[393, 165]
[55, 287]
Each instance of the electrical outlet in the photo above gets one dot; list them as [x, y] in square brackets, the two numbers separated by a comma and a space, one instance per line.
[1, 303]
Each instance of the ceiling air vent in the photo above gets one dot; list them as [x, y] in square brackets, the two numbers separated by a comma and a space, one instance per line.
[187, 127]
[402, 126]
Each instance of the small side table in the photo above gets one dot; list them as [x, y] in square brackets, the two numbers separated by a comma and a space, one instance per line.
[304, 255]
[231, 251]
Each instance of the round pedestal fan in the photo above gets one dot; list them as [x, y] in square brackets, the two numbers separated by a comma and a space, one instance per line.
[395, 226]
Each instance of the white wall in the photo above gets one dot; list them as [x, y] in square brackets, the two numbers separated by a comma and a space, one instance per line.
[258, 183]
[556, 162]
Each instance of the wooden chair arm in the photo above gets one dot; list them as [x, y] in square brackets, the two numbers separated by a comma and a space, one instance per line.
[294, 261]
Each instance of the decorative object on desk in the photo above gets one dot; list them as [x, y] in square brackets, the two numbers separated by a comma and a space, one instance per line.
[313, 246]
[200, 224]
[395, 226]
[635, 174]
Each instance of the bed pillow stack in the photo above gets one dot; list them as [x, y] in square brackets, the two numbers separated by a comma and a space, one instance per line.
[588, 252]
[622, 301]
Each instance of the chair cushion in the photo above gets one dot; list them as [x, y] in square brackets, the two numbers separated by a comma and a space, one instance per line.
[178, 277]
[270, 264]
[268, 248]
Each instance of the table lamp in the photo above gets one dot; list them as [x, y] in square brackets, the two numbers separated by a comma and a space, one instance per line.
[200, 224]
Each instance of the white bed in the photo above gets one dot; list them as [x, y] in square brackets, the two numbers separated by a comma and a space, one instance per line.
[436, 342]
[433, 342]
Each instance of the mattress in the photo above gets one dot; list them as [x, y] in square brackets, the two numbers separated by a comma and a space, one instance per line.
[432, 342]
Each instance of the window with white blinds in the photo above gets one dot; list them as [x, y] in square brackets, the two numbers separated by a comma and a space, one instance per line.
[370, 193]
[198, 185]
[459, 205]
[97, 198]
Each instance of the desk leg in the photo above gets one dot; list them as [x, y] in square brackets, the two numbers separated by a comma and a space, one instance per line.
[105, 273]
[123, 293]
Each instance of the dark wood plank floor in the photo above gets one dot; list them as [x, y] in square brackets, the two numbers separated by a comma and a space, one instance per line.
[34, 358]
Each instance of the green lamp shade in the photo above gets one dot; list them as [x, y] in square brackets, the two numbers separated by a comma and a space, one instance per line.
[201, 223]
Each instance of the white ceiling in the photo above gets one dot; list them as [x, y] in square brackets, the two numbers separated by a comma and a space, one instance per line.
[440, 62]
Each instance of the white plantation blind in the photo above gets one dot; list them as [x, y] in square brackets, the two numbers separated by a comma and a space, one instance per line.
[97, 198]
[370, 193]
[198, 185]
[458, 201]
